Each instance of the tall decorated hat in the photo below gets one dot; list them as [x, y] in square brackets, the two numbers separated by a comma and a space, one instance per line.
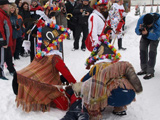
[95, 3]
[103, 51]
[49, 36]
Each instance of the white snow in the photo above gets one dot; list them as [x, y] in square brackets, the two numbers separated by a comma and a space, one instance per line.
[146, 107]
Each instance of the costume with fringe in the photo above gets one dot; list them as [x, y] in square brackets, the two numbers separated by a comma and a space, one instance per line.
[37, 83]
[97, 89]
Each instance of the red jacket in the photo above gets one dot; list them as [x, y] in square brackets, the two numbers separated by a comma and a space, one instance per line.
[36, 8]
[5, 30]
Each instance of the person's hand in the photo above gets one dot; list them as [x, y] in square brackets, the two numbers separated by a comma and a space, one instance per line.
[87, 14]
[117, 32]
[5, 46]
[144, 32]
[81, 10]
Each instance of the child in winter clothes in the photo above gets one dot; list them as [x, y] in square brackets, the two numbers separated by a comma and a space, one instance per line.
[5, 39]
[116, 15]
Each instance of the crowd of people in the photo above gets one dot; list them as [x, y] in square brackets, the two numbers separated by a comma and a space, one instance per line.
[109, 82]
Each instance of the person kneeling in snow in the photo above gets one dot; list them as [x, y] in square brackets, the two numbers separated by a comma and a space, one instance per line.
[108, 83]
[38, 86]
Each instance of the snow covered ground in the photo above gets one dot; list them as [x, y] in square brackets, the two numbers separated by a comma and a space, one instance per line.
[147, 106]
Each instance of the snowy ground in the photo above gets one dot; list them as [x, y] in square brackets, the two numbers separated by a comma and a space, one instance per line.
[142, 109]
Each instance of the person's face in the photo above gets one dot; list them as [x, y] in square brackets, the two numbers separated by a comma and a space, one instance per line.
[121, 2]
[85, 2]
[102, 8]
[6, 7]
[20, 3]
[25, 7]
[34, 4]
[12, 9]
[149, 26]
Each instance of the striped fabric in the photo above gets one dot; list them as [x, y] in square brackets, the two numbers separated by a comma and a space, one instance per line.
[36, 90]
[98, 88]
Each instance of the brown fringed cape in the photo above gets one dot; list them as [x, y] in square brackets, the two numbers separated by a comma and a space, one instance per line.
[108, 77]
[36, 90]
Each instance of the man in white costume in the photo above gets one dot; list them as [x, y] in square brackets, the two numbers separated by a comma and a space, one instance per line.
[97, 20]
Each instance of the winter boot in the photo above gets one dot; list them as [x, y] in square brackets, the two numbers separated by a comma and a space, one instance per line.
[148, 76]
[120, 44]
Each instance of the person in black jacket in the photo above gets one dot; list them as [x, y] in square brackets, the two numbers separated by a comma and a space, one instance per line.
[25, 13]
[71, 23]
[82, 11]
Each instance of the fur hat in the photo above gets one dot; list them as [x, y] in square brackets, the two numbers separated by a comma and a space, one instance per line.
[95, 3]
[3, 2]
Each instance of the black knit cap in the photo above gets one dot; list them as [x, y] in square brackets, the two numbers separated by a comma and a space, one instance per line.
[148, 19]
[3, 2]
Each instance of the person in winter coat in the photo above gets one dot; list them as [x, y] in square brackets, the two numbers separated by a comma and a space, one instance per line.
[72, 22]
[19, 39]
[82, 11]
[33, 8]
[5, 39]
[14, 21]
[116, 15]
[26, 16]
[148, 26]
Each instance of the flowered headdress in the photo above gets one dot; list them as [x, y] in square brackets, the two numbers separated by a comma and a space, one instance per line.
[95, 3]
[54, 8]
[49, 35]
[103, 51]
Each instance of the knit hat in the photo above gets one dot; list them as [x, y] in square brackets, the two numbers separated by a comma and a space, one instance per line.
[148, 19]
[103, 51]
[95, 3]
[3, 2]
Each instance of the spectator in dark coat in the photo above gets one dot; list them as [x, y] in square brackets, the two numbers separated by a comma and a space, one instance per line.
[83, 10]
[26, 16]
[33, 8]
[70, 5]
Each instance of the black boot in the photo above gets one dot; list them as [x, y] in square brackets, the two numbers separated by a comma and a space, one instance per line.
[120, 44]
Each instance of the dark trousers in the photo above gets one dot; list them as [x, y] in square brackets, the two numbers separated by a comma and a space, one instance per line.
[18, 48]
[80, 28]
[148, 59]
[121, 97]
[33, 47]
[75, 112]
[6, 56]
[8, 60]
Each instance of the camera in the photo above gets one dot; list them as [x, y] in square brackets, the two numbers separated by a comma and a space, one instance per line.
[84, 12]
[143, 26]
